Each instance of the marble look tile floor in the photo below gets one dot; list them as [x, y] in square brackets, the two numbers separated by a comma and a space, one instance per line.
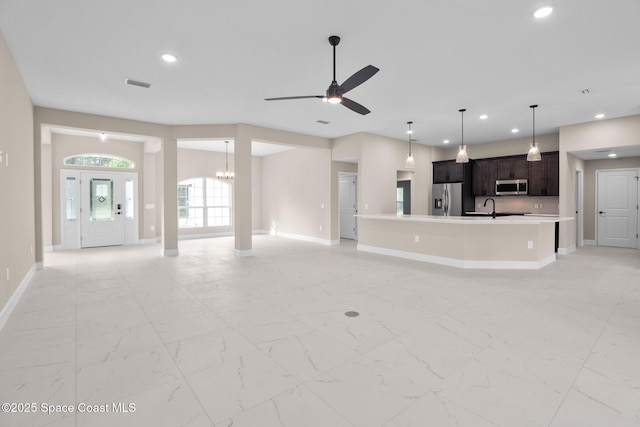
[208, 339]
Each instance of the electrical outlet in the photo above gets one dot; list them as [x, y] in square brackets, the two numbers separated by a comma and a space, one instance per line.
[535, 206]
[321, 205]
[417, 238]
[366, 206]
[530, 244]
[153, 228]
[320, 228]
[541, 206]
[8, 274]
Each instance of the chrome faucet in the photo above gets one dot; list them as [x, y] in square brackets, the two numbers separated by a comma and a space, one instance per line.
[493, 214]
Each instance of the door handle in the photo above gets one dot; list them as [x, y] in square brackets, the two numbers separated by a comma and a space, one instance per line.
[601, 212]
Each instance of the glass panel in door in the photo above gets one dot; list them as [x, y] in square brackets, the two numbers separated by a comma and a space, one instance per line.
[101, 200]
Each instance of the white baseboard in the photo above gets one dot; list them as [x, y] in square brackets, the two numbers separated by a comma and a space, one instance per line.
[459, 263]
[47, 249]
[170, 252]
[204, 235]
[305, 238]
[243, 252]
[148, 241]
[13, 301]
[590, 242]
[567, 251]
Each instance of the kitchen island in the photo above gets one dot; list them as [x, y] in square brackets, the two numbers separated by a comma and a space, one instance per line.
[505, 242]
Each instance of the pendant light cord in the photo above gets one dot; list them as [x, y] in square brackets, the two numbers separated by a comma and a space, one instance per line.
[533, 107]
[462, 110]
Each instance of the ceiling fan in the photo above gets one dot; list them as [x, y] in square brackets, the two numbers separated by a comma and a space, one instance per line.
[335, 91]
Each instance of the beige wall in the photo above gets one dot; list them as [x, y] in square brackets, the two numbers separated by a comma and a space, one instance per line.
[17, 216]
[509, 147]
[199, 163]
[295, 185]
[589, 189]
[379, 161]
[619, 132]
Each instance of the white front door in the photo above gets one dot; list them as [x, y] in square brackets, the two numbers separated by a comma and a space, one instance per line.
[347, 184]
[617, 208]
[101, 209]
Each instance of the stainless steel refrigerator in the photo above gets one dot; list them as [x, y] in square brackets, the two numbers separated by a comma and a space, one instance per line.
[449, 199]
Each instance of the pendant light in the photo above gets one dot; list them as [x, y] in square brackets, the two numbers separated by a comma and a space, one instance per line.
[226, 174]
[534, 152]
[411, 163]
[462, 156]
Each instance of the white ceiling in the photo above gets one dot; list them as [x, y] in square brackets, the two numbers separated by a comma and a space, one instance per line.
[435, 57]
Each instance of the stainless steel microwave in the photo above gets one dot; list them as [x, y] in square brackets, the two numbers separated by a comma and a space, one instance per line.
[512, 187]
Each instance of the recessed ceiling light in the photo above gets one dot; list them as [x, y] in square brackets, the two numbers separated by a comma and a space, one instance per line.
[514, 130]
[167, 57]
[543, 12]
[446, 141]
[484, 117]
[599, 116]
[612, 155]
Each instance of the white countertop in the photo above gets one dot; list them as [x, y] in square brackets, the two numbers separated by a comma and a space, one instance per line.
[515, 219]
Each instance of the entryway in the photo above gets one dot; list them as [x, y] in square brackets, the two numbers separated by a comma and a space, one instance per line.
[347, 202]
[98, 208]
[617, 208]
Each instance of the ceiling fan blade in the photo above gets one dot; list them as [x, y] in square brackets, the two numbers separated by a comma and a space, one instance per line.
[354, 106]
[294, 97]
[358, 78]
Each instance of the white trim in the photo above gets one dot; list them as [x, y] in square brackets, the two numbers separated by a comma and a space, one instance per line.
[243, 252]
[13, 301]
[260, 231]
[567, 251]
[304, 238]
[170, 252]
[590, 243]
[48, 249]
[204, 235]
[39, 265]
[335, 242]
[459, 263]
[148, 241]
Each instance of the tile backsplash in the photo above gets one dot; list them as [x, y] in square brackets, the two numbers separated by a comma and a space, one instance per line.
[520, 204]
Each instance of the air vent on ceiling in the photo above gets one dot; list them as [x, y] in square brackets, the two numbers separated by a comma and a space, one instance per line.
[323, 122]
[603, 151]
[137, 83]
[585, 91]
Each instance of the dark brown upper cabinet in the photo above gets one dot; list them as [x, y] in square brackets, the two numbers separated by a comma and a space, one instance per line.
[485, 173]
[449, 171]
[544, 176]
[513, 168]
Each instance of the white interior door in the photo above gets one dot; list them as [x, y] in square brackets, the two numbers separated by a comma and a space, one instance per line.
[617, 208]
[102, 209]
[347, 184]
